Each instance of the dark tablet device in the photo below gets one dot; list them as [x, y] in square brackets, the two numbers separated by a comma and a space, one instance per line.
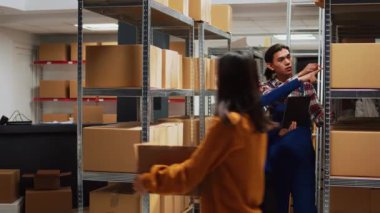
[297, 109]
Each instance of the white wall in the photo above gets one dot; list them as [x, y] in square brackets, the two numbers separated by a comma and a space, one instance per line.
[16, 85]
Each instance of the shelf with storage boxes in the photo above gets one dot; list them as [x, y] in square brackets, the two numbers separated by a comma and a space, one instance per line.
[63, 91]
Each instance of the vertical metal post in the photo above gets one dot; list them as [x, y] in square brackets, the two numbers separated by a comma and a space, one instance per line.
[145, 117]
[326, 102]
[201, 38]
[288, 23]
[190, 53]
[229, 43]
[79, 108]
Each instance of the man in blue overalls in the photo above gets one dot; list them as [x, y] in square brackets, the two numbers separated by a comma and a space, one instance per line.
[290, 165]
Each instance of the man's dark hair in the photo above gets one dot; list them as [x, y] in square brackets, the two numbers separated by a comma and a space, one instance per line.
[269, 54]
[238, 89]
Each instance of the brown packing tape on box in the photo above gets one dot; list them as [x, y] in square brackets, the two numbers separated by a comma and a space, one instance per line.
[54, 89]
[126, 63]
[355, 153]
[53, 52]
[116, 198]
[221, 17]
[9, 185]
[48, 201]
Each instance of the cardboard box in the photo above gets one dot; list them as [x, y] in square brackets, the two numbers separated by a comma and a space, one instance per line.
[188, 73]
[15, 207]
[53, 52]
[375, 197]
[171, 70]
[355, 153]
[358, 40]
[55, 117]
[116, 198]
[48, 201]
[9, 185]
[167, 203]
[213, 74]
[109, 118]
[54, 89]
[177, 73]
[200, 10]
[350, 200]
[73, 89]
[190, 129]
[109, 43]
[320, 3]
[74, 50]
[182, 6]
[360, 71]
[178, 46]
[121, 66]
[221, 17]
[149, 155]
[47, 179]
[91, 114]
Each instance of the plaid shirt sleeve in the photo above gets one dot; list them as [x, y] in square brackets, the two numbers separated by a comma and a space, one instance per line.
[316, 110]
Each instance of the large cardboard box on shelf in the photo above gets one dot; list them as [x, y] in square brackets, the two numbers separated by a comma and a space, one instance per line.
[15, 207]
[177, 73]
[178, 46]
[121, 66]
[355, 153]
[188, 73]
[164, 2]
[221, 17]
[48, 201]
[110, 148]
[200, 10]
[55, 117]
[9, 185]
[91, 114]
[181, 6]
[54, 89]
[116, 198]
[53, 52]
[74, 50]
[353, 200]
[150, 154]
[211, 73]
[190, 129]
[360, 71]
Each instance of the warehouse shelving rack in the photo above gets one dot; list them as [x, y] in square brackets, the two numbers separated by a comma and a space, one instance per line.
[336, 25]
[146, 15]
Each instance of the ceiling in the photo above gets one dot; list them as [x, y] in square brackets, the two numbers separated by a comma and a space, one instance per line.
[248, 19]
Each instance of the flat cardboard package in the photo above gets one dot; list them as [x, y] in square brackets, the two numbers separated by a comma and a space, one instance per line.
[48, 201]
[9, 185]
[121, 66]
[54, 89]
[53, 52]
[200, 10]
[149, 155]
[221, 17]
[355, 153]
[361, 71]
[116, 198]
[15, 207]
[109, 118]
[182, 6]
[74, 50]
[91, 114]
[178, 46]
[55, 117]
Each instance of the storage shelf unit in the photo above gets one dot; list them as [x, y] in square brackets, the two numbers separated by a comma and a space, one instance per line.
[343, 18]
[146, 15]
[355, 182]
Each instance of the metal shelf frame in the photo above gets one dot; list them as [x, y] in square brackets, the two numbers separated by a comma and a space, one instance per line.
[355, 182]
[137, 92]
[109, 177]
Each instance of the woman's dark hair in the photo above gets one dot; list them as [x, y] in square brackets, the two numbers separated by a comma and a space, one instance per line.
[269, 54]
[238, 89]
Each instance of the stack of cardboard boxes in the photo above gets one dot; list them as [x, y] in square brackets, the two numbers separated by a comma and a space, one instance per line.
[47, 195]
[355, 147]
[10, 202]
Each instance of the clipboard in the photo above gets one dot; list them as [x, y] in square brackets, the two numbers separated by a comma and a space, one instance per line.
[297, 109]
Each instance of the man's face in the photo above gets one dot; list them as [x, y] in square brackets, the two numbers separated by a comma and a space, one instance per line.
[282, 63]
